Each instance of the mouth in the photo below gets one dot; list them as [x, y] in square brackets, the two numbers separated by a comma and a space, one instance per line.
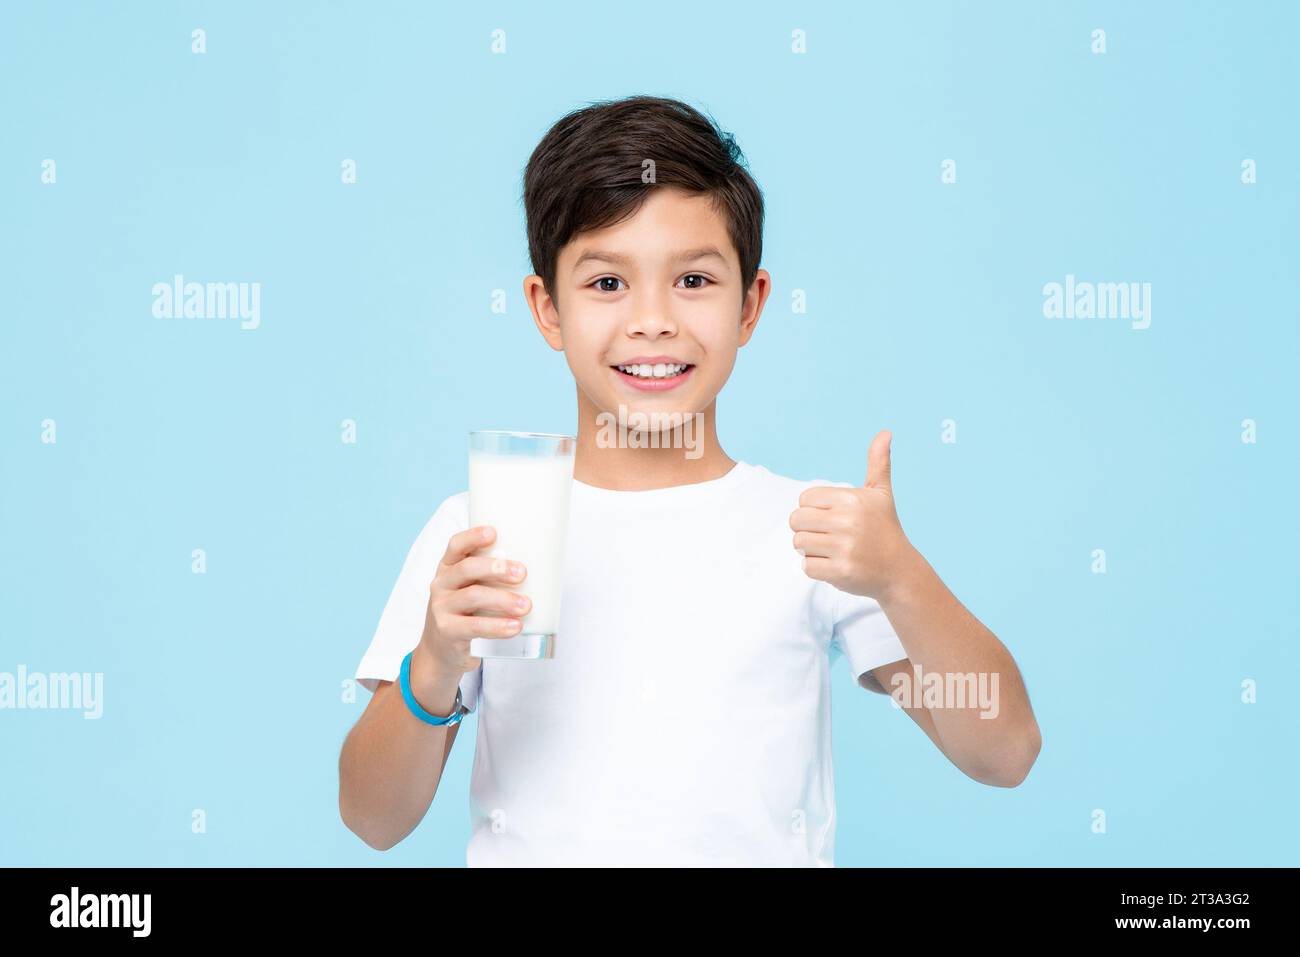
[654, 377]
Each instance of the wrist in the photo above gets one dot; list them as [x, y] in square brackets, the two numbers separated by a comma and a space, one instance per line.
[911, 574]
[434, 689]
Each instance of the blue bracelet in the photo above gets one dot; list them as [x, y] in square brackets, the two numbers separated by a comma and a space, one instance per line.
[409, 696]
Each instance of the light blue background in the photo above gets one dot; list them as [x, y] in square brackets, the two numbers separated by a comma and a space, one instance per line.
[222, 691]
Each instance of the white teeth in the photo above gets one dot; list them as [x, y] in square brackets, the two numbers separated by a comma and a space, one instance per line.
[660, 370]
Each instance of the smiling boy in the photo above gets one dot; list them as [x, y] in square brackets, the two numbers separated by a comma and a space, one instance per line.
[685, 719]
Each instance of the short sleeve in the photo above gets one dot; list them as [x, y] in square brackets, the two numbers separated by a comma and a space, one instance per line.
[861, 633]
[402, 620]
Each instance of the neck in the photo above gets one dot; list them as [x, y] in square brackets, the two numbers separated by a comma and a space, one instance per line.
[625, 460]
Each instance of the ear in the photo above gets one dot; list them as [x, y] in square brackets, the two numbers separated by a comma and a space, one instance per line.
[545, 311]
[752, 307]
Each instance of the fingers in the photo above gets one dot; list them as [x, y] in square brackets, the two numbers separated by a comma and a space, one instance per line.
[479, 611]
[815, 526]
[481, 568]
[878, 467]
[826, 496]
[810, 519]
[467, 542]
[815, 544]
[479, 626]
[488, 599]
[819, 567]
[468, 597]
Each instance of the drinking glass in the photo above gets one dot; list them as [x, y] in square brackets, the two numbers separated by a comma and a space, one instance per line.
[519, 483]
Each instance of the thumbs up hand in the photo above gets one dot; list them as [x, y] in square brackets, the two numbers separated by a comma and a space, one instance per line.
[851, 537]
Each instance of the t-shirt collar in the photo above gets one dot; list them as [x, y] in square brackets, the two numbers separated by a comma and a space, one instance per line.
[661, 496]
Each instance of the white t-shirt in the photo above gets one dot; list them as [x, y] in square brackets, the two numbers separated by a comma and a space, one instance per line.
[685, 719]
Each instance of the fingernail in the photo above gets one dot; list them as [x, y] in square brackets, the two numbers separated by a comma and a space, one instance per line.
[516, 570]
[521, 602]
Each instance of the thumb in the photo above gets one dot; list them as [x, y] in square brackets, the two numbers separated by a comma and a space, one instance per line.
[878, 460]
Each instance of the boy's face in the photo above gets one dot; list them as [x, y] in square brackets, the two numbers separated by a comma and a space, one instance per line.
[663, 286]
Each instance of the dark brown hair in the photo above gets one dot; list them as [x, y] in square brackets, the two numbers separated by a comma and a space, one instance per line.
[586, 173]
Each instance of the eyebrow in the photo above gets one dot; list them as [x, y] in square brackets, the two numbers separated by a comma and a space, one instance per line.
[688, 255]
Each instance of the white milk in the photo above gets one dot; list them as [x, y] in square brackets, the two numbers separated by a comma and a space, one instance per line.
[526, 499]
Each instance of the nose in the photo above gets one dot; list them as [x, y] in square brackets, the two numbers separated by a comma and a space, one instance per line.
[651, 319]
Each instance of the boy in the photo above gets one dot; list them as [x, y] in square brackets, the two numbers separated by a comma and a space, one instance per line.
[685, 719]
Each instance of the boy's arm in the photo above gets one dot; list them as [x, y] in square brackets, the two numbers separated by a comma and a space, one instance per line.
[997, 745]
[877, 679]
[851, 538]
[451, 730]
[891, 676]
[387, 775]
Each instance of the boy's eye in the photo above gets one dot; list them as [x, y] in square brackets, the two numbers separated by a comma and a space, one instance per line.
[699, 284]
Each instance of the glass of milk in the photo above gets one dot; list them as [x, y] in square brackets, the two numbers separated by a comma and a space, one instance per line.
[519, 484]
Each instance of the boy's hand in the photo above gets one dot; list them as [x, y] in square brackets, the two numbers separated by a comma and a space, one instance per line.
[468, 598]
[851, 537]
